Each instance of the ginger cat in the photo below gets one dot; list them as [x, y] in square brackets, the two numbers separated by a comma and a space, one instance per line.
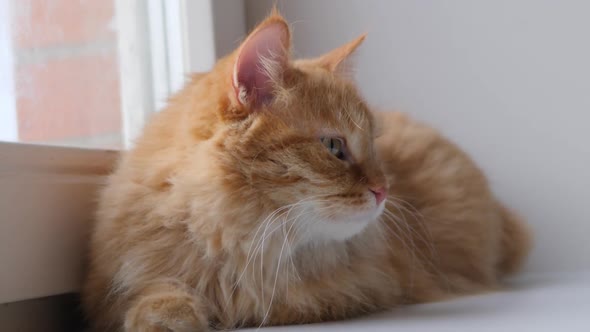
[268, 193]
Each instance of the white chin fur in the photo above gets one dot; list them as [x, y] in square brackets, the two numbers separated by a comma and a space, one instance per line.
[343, 229]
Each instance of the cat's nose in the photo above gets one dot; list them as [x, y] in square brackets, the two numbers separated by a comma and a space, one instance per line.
[380, 193]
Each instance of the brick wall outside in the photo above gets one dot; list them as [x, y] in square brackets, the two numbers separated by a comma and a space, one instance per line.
[66, 72]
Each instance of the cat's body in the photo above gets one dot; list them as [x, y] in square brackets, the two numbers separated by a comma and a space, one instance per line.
[228, 212]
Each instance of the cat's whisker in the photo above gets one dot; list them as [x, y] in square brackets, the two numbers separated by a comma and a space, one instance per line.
[294, 221]
[411, 249]
[297, 226]
[290, 251]
[419, 219]
[394, 218]
[407, 234]
[405, 224]
[266, 220]
[415, 248]
[425, 259]
[386, 223]
[260, 247]
[279, 260]
[250, 257]
[291, 207]
[277, 270]
[261, 250]
[383, 236]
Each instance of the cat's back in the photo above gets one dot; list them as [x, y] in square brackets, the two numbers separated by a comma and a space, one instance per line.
[421, 162]
[455, 223]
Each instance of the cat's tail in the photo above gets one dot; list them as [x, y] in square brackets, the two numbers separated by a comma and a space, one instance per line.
[516, 242]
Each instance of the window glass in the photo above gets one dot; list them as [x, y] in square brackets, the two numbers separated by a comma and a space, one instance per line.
[60, 81]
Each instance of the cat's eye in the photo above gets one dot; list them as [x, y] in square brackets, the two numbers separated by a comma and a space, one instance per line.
[335, 145]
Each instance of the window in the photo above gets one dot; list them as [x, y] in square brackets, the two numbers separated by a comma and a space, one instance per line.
[87, 73]
[63, 85]
[78, 81]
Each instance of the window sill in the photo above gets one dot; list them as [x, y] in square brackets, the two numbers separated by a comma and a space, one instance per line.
[47, 199]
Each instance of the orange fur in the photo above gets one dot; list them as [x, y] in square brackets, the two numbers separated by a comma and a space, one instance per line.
[230, 212]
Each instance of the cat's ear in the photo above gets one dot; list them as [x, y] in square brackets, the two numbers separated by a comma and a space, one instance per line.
[337, 60]
[261, 61]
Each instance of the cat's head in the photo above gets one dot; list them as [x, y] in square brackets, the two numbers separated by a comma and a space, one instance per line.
[296, 136]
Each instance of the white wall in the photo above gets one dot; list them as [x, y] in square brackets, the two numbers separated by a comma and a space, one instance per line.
[214, 28]
[229, 24]
[509, 80]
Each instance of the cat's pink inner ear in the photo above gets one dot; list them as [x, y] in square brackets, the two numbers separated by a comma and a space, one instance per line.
[260, 63]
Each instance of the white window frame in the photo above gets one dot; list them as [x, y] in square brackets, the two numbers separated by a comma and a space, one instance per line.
[47, 193]
[8, 123]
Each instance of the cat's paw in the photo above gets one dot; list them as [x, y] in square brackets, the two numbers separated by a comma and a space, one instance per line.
[166, 312]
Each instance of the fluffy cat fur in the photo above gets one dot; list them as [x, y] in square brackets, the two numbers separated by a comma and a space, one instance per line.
[230, 212]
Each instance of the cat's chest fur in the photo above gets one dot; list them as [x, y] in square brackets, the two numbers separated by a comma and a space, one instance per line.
[325, 280]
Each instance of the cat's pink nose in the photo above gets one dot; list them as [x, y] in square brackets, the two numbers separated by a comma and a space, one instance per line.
[380, 194]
